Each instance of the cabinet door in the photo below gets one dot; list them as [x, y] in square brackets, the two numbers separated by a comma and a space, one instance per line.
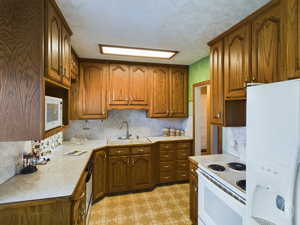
[99, 174]
[217, 83]
[138, 85]
[266, 46]
[118, 84]
[178, 92]
[92, 91]
[119, 173]
[193, 199]
[66, 58]
[293, 38]
[74, 66]
[141, 174]
[236, 62]
[159, 92]
[54, 44]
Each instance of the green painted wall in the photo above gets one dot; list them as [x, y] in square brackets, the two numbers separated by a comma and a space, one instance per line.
[198, 72]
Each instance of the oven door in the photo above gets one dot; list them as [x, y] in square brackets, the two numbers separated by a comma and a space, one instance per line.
[216, 207]
[53, 113]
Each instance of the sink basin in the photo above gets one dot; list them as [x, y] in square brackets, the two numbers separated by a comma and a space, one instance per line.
[128, 141]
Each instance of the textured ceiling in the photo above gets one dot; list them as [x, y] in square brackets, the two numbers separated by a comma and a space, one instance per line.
[182, 25]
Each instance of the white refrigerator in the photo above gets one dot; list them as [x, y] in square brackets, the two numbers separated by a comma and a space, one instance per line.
[272, 154]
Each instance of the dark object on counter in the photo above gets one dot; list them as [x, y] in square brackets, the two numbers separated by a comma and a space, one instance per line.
[217, 167]
[237, 166]
[241, 184]
[29, 169]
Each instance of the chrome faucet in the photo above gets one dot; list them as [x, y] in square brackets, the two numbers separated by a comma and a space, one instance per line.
[127, 130]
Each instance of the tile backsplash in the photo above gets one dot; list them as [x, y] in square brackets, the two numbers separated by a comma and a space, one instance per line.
[48, 144]
[139, 124]
[234, 141]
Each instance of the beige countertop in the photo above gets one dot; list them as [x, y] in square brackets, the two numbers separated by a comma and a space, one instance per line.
[60, 176]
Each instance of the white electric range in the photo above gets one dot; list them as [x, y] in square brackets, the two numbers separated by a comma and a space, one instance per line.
[221, 190]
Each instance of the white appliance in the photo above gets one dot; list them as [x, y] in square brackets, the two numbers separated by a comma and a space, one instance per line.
[273, 146]
[53, 112]
[220, 200]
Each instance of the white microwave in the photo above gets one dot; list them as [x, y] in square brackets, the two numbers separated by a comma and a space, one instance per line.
[53, 112]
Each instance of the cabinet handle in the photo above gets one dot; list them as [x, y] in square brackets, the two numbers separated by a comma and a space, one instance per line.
[253, 78]
[133, 162]
[196, 189]
[128, 162]
[105, 156]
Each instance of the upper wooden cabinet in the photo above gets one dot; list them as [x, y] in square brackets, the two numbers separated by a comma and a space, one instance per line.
[59, 46]
[138, 85]
[293, 38]
[128, 86]
[74, 65]
[168, 92]
[217, 101]
[160, 95]
[118, 84]
[92, 91]
[267, 52]
[237, 54]
[178, 92]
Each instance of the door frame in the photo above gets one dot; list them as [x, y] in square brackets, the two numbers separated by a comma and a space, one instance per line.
[202, 84]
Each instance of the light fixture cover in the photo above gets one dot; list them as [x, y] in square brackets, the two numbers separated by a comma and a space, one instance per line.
[136, 52]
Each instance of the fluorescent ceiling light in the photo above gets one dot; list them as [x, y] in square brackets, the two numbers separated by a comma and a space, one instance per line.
[137, 52]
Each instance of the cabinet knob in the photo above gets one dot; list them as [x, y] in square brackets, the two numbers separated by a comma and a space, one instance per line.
[253, 78]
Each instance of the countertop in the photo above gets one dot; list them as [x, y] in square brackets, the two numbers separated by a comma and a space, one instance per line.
[60, 176]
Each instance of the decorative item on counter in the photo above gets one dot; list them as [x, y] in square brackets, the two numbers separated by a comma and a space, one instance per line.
[29, 163]
[49, 144]
[182, 133]
[178, 133]
[166, 132]
[172, 132]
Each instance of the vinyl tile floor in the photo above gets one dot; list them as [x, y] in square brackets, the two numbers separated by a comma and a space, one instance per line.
[165, 205]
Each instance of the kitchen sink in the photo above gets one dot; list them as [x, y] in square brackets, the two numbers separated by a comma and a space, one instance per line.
[128, 141]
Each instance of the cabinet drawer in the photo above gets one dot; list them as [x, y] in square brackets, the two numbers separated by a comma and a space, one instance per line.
[167, 166]
[166, 146]
[119, 151]
[183, 154]
[141, 150]
[182, 165]
[183, 145]
[167, 176]
[182, 175]
[166, 156]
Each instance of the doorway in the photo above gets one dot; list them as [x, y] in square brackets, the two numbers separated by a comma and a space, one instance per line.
[201, 122]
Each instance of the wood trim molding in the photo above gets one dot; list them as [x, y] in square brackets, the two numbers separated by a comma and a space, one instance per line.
[199, 84]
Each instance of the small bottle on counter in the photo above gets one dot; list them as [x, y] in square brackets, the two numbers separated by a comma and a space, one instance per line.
[178, 133]
[166, 132]
[182, 133]
[172, 132]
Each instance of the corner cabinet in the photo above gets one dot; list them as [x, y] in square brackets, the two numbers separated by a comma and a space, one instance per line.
[168, 92]
[237, 54]
[217, 101]
[99, 174]
[92, 91]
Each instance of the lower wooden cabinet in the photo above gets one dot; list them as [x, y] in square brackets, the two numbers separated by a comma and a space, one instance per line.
[119, 172]
[99, 174]
[193, 194]
[130, 169]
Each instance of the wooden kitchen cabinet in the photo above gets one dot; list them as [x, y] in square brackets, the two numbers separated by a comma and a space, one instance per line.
[138, 85]
[59, 46]
[99, 174]
[217, 99]
[160, 95]
[237, 54]
[193, 194]
[293, 38]
[267, 50]
[178, 92]
[119, 173]
[118, 84]
[92, 91]
[66, 58]
[74, 65]
[141, 172]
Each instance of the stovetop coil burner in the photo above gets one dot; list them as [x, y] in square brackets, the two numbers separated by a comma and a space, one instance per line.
[216, 167]
[237, 166]
[241, 184]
